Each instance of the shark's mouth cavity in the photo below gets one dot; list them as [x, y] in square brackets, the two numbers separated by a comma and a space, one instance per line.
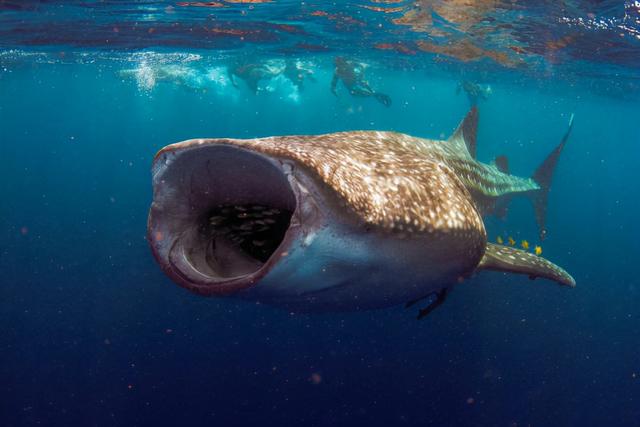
[244, 234]
[221, 216]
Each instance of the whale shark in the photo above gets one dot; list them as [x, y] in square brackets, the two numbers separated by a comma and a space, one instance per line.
[343, 221]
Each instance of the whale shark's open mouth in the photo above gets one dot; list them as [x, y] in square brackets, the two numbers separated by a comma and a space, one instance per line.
[220, 216]
[243, 234]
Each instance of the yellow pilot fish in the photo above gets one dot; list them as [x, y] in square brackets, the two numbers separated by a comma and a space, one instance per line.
[525, 245]
[511, 241]
[538, 250]
[499, 240]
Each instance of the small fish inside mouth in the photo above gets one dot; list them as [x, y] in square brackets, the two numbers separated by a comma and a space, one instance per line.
[255, 230]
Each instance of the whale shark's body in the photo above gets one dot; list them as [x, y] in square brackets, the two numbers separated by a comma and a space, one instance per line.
[336, 222]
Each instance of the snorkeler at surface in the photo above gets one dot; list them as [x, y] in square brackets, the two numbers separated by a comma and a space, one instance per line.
[295, 72]
[352, 75]
[253, 72]
[475, 92]
[148, 75]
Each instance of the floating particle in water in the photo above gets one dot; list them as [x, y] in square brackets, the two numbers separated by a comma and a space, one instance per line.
[315, 378]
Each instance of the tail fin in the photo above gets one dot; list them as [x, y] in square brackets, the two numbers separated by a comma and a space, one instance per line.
[543, 176]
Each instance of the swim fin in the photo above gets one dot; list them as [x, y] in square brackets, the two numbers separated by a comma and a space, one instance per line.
[383, 99]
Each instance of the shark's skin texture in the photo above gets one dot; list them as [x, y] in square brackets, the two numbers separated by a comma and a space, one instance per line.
[378, 218]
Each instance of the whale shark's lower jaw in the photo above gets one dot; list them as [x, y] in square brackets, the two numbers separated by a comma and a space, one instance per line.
[222, 216]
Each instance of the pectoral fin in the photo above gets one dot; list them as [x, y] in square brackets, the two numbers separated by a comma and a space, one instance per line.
[511, 260]
[436, 302]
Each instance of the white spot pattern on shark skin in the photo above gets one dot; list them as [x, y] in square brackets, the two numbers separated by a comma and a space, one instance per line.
[427, 194]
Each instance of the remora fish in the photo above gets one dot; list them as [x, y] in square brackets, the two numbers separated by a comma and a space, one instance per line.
[337, 222]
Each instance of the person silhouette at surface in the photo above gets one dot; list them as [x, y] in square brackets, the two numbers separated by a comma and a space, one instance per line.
[475, 92]
[352, 75]
[297, 74]
[252, 72]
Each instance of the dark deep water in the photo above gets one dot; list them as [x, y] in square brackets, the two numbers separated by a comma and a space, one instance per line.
[93, 333]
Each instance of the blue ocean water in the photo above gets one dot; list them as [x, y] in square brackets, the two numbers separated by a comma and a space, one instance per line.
[93, 333]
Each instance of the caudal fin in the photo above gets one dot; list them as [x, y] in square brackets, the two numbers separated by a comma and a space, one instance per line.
[543, 177]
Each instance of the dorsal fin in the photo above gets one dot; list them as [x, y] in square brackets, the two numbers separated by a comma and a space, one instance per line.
[512, 260]
[465, 134]
[502, 163]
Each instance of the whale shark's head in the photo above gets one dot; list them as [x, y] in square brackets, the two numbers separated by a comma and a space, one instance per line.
[301, 214]
[224, 215]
